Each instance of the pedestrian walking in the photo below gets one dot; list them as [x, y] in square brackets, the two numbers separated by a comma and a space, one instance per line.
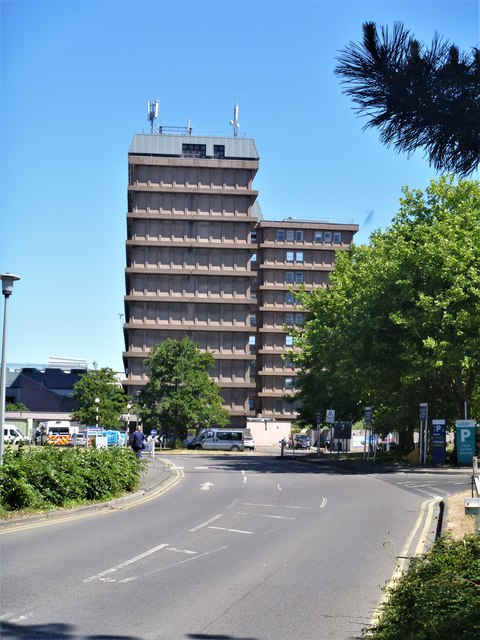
[138, 439]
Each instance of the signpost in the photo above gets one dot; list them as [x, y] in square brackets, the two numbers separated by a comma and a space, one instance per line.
[368, 421]
[330, 419]
[423, 432]
[439, 441]
[465, 437]
[318, 419]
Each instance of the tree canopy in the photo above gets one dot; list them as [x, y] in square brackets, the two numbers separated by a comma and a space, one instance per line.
[179, 393]
[418, 97]
[400, 322]
[101, 384]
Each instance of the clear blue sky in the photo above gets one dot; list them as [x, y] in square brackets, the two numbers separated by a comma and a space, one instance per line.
[75, 81]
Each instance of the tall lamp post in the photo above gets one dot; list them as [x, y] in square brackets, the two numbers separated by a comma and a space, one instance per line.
[97, 402]
[7, 286]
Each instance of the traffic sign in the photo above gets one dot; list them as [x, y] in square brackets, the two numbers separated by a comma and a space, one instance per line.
[319, 419]
[153, 432]
[330, 416]
[423, 410]
[368, 414]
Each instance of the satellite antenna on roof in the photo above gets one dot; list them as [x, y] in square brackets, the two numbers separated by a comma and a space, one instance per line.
[235, 124]
[152, 111]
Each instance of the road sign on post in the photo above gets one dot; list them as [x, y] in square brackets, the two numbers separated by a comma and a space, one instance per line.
[368, 414]
[330, 416]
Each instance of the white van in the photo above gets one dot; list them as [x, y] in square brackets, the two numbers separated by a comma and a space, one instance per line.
[218, 439]
[13, 435]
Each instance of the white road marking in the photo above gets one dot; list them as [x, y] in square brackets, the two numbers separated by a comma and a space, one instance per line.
[206, 486]
[175, 564]
[276, 506]
[232, 504]
[266, 515]
[125, 564]
[324, 503]
[279, 487]
[181, 551]
[232, 530]
[202, 468]
[244, 476]
[205, 524]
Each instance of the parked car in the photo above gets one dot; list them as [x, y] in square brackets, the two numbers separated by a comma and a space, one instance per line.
[249, 442]
[12, 435]
[218, 439]
[79, 439]
[301, 441]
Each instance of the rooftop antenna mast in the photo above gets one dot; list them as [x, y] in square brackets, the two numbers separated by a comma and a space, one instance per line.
[235, 123]
[152, 112]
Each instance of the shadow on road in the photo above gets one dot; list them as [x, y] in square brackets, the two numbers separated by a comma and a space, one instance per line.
[51, 631]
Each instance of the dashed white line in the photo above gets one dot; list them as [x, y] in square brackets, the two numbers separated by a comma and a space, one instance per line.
[206, 523]
[232, 530]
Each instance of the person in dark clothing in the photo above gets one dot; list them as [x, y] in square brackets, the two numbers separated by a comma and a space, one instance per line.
[137, 441]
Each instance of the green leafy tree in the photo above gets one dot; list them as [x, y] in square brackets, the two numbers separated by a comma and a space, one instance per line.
[15, 406]
[400, 322]
[102, 384]
[179, 393]
[417, 97]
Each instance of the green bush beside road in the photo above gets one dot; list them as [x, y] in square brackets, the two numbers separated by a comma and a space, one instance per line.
[437, 598]
[52, 477]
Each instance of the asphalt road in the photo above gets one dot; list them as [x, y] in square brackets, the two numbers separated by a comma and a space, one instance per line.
[240, 548]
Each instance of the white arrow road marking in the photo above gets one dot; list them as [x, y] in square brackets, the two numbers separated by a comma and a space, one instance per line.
[206, 486]
[125, 564]
[204, 524]
[232, 530]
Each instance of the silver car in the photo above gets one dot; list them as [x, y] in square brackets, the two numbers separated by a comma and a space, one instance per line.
[249, 443]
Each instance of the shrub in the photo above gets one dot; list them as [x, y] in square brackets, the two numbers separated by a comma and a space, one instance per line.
[437, 598]
[52, 477]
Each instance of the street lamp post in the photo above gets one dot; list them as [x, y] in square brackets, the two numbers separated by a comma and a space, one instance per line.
[7, 286]
[129, 406]
[97, 402]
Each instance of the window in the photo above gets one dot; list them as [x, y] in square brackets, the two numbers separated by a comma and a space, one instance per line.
[219, 151]
[251, 404]
[289, 341]
[290, 235]
[299, 256]
[299, 318]
[318, 236]
[328, 236]
[289, 318]
[253, 320]
[278, 405]
[253, 236]
[289, 383]
[253, 295]
[251, 340]
[194, 150]
[299, 236]
[337, 237]
[280, 235]
[253, 257]
[288, 363]
[289, 256]
[299, 277]
[289, 298]
[289, 277]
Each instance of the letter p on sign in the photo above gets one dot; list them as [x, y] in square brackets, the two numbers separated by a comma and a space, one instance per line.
[465, 434]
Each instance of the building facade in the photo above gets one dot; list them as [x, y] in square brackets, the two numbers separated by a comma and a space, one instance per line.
[201, 263]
